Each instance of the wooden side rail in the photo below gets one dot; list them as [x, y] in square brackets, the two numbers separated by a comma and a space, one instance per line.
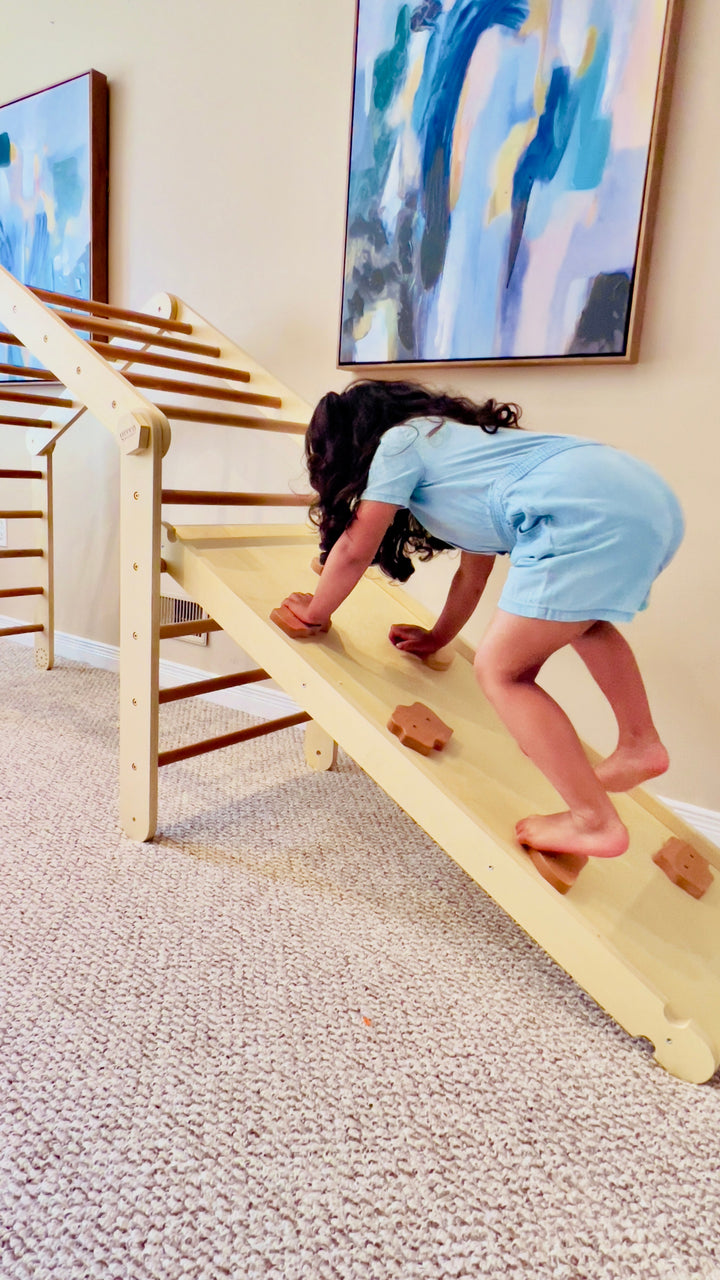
[213, 498]
[9, 593]
[93, 383]
[20, 554]
[215, 684]
[231, 739]
[11, 473]
[21, 515]
[294, 407]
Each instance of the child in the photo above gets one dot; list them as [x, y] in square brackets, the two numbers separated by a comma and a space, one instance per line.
[398, 469]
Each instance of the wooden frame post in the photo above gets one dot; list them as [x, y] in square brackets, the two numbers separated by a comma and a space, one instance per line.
[319, 749]
[140, 488]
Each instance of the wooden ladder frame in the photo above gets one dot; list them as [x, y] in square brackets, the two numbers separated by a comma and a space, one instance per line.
[171, 337]
[41, 513]
[644, 954]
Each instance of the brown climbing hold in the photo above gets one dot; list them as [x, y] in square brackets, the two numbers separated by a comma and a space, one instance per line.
[419, 728]
[441, 659]
[684, 866]
[561, 870]
[285, 619]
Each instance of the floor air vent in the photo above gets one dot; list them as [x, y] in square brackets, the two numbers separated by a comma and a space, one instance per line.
[175, 610]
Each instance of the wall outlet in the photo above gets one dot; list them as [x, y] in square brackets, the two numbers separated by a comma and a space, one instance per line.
[3, 533]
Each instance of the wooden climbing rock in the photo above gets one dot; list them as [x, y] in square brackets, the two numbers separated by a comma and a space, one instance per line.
[441, 659]
[561, 870]
[684, 866]
[285, 619]
[419, 728]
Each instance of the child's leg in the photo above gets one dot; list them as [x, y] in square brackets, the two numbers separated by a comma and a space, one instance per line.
[507, 663]
[640, 754]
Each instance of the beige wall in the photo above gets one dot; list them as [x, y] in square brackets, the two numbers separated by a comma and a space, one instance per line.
[228, 162]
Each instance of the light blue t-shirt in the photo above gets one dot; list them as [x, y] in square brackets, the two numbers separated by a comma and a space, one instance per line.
[452, 476]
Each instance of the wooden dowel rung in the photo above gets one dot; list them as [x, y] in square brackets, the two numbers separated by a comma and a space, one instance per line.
[115, 328]
[20, 371]
[202, 389]
[9, 592]
[6, 421]
[230, 739]
[21, 631]
[203, 497]
[104, 309]
[20, 397]
[7, 473]
[157, 358]
[180, 414]
[197, 688]
[20, 553]
[21, 515]
[172, 630]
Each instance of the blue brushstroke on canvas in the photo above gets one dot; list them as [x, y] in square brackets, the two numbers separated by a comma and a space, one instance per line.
[593, 129]
[541, 161]
[456, 37]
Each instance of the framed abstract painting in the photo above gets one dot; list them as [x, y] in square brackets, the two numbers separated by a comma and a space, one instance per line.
[504, 165]
[54, 190]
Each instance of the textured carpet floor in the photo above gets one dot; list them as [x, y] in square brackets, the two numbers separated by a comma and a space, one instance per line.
[291, 1040]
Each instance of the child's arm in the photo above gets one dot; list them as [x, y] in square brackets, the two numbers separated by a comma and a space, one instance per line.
[465, 591]
[352, 554]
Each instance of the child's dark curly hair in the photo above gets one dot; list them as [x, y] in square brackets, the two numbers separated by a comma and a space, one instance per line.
[341, 440]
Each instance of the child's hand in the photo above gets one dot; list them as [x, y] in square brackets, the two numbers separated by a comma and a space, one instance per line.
[300, 603]
[415, 640]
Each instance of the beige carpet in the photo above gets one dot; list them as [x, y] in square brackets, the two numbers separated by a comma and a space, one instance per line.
[292, 1040]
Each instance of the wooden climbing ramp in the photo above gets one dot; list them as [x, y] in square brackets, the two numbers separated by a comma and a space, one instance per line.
[647, 951]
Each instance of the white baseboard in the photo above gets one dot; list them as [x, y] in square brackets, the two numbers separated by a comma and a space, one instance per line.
[254, 700]
[706, 821]
[268, 703]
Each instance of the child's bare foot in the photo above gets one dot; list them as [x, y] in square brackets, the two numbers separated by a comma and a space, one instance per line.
[564, 833]
[628, 766]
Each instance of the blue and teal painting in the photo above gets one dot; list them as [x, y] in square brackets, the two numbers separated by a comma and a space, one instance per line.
[499, 153]
[45, 191]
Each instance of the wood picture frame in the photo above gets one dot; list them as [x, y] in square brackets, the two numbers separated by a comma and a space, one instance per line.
[504, 172]
[54, 191]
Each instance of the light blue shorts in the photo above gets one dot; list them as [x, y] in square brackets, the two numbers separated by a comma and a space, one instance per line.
[593, 528]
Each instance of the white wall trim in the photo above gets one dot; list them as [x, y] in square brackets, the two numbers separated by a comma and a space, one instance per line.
[256, 700]
[706, 821]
